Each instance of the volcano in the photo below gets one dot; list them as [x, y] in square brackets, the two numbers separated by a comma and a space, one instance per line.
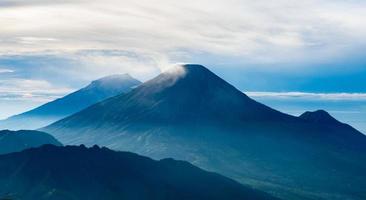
[190, 113]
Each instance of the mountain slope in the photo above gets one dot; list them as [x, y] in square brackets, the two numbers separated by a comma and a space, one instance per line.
[189, 113]
[14, 141]
[98, 90]
[76, 172]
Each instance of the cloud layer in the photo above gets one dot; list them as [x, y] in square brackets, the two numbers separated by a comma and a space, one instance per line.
[2, 70]
[310, 96]
[30, 90]
[258, 30]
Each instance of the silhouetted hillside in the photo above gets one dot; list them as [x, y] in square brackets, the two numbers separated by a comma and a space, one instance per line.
[76, 172]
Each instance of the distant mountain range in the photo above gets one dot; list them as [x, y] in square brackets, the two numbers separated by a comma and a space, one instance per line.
[97, 91]
[14, 141]
[78, 173]
[189, 113]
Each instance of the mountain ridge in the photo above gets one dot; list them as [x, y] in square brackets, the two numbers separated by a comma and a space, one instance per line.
[77, 172]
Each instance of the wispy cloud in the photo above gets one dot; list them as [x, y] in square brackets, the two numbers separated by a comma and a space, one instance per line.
[312, 96]
[30, 90]
[3, 70]
[259, 30]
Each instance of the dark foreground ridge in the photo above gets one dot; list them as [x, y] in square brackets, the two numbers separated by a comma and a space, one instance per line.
[77, 173]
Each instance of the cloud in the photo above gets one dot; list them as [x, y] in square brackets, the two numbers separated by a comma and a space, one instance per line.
[23, 3]
[262, 31]
[311, 96]
[68, 43]
[2, 70]
[81, 67]
[30, 90]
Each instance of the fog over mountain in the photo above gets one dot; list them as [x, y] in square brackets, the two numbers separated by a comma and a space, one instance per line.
[96, 91]
[14, 141]
[190, 113]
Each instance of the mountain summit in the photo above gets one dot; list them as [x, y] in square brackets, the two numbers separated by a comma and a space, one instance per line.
[96, 91]
[189, 113]
[113, 84]
[319, 116]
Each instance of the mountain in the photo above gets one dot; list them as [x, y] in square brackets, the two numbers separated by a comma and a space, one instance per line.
[77, 172]
[323, 119]
[319, 116]
[189, 113]
[96, 91]
[14, 141]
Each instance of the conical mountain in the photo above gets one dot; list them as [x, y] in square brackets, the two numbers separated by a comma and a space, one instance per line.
[189, 113]
[48, 113]
[183, 95]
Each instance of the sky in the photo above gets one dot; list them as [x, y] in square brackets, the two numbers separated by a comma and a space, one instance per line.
[293, 55]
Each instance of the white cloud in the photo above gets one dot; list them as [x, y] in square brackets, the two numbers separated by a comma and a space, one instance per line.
[312, 96]
[260, 30]
[34, 40]
[3, 70]
[30, 90]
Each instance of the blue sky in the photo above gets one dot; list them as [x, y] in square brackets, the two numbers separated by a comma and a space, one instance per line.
[291, 55]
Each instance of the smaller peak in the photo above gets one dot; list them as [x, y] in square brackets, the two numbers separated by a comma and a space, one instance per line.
[319, 113]
[114, 77]
[113, 80]
[319, 116]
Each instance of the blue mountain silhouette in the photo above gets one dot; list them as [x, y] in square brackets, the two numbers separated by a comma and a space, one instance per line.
[190, 113]
[77, 172]
[96, 91]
